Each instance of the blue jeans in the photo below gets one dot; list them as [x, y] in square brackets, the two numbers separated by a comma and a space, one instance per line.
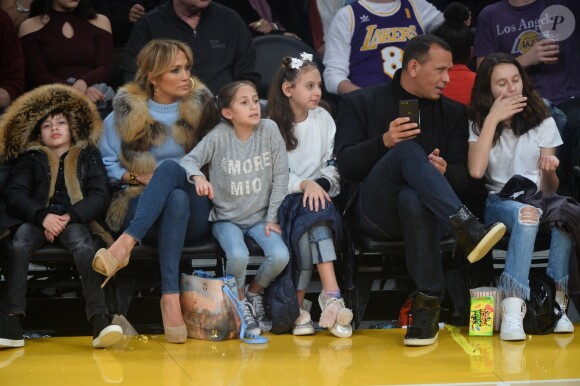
[169, 214]
[77, 239]
[405, 197]
[316, 246]
[514, 279]
[231, 238]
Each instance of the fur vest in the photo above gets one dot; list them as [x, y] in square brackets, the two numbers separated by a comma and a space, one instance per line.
[139, 132]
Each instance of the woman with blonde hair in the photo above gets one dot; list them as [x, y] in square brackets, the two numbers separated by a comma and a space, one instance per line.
[156, 120]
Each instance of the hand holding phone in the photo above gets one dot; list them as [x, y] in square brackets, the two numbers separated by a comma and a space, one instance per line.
[405, 127]
[410, 108]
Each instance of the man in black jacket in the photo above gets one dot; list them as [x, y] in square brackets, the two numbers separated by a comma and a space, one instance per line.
[409, 175]
[222, 45]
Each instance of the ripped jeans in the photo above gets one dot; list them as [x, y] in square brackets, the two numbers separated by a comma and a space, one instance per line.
[523, 228]
[316, 246]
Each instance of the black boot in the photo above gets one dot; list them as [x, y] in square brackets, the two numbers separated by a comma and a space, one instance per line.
[424, 327]
[474, 237]
[105, 334]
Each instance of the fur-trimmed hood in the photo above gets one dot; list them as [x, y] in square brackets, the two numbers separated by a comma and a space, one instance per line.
[20, 119]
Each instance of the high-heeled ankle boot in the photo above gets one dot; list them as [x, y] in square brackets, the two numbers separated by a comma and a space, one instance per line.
[475, 238]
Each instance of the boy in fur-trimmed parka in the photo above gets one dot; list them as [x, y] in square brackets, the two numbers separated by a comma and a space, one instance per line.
[56, 190]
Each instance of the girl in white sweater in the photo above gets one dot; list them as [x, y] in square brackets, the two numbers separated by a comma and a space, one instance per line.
[308, 130]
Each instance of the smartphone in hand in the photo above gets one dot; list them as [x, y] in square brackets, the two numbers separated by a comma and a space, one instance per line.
[410, 108]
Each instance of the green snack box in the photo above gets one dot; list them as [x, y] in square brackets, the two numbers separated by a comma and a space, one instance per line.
[481, 316]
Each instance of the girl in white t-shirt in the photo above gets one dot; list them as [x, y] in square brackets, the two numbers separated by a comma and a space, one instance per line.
[308, 130]
[512, 133]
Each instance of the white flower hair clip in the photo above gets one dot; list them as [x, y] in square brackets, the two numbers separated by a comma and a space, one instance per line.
[296, 63]
[306, 57]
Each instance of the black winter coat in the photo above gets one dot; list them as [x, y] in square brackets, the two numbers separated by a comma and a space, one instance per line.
[29, 185]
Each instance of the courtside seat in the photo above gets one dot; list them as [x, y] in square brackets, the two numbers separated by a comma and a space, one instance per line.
[371, 259]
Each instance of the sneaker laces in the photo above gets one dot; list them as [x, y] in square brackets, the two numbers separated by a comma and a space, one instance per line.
[259, 307]
[513, 320]
[248, 310]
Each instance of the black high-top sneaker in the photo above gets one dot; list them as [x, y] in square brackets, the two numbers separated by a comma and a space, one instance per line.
[475, 238]
[424, 327]
[11, 333]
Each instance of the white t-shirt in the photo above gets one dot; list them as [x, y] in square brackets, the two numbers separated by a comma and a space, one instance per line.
[314, 156]
[339, 36]
[513, 155]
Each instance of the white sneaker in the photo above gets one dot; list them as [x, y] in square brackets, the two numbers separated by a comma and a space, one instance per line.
[335, 316]
[564, 325]
[513, 311]
[303, 325]
[108, 336]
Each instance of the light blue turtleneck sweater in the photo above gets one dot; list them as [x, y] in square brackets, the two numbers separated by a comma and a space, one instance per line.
[110, 144]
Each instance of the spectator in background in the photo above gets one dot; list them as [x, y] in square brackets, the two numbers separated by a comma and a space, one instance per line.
[294, 16]
[17, 10]
[365, 43]
[322, 11]
[258, 16]
[67, 42]
[222, 45]
[11, 62]
[327, 10]
[123, 14]
[456, 32]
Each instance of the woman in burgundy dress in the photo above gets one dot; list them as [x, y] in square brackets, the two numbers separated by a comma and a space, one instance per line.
[66, 41]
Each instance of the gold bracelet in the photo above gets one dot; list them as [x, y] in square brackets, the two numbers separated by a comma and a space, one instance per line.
[20, 8]
[133, 178]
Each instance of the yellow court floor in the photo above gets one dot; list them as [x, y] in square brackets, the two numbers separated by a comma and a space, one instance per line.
[370, 357]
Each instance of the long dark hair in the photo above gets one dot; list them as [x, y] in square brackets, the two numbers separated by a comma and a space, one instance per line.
[278, 108]
[455, 32]
[211, 114]
[482, 98]
[84, 9]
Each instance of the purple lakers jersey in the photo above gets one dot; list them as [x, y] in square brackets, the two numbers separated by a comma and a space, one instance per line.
[378, 41]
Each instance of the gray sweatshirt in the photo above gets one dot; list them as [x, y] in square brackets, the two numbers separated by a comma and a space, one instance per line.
[249, 178]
